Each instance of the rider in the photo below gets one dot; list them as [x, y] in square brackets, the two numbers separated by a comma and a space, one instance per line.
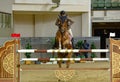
[63, 17]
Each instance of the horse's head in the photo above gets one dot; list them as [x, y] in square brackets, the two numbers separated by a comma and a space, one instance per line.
[64, 27]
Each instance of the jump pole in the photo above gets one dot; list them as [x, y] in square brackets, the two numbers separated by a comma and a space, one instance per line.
[64, 59]
[62, 50]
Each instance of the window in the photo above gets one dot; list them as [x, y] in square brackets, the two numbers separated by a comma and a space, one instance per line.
[5, 20]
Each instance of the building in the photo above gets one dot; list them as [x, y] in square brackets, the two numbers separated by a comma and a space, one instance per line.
[6, 27]
[34, 18]
[105, 19]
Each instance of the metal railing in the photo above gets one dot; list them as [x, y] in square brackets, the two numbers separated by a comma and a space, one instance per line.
[105, 5]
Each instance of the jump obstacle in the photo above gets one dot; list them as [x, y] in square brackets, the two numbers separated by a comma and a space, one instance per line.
[65, 59]
[62, 50]
[112, 49]
[8, 54]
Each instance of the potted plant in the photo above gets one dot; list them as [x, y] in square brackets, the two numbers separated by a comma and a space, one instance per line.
[28, 55]
[93, 55]
[79, 46]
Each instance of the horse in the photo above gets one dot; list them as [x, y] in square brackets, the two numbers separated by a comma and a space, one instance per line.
[63, 41]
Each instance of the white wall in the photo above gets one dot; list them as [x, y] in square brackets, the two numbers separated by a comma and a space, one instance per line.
[23, 24]
[113, 13]
[6, 32]
[109, 13]
[44, 25]
[98, 14]
[86, 25]
[77, 26]
[44, 21]
[50, 1]
[47, 5]
[106, 16]
[6, 6]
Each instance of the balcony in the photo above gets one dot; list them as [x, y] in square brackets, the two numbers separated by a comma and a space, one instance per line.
[105, 5]
[106, 19]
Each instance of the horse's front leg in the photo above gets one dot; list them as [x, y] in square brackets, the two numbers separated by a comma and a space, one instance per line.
[59, 61]
[68, 62]
[60, 46]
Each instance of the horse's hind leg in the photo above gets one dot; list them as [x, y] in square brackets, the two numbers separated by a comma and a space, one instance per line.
[67, 64]
[59, 63]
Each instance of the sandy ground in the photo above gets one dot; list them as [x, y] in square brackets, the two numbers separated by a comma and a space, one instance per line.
[34, 73]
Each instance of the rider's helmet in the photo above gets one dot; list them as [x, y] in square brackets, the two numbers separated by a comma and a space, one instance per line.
[62, 12]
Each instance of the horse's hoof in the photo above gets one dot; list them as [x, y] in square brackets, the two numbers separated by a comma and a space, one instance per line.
[67, 67]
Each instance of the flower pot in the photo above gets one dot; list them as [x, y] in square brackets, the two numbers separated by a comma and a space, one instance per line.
[28, 62]
[82, 61]
[72, 61]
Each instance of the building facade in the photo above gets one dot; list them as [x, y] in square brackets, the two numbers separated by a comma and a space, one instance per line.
[37, 18]
[105, 16]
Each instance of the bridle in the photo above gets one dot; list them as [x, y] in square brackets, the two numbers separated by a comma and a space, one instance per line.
[63, 27]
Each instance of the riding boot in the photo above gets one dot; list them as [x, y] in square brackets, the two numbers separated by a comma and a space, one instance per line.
[72, 40]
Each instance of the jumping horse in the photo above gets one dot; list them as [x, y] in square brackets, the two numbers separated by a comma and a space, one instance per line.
[63, 41]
